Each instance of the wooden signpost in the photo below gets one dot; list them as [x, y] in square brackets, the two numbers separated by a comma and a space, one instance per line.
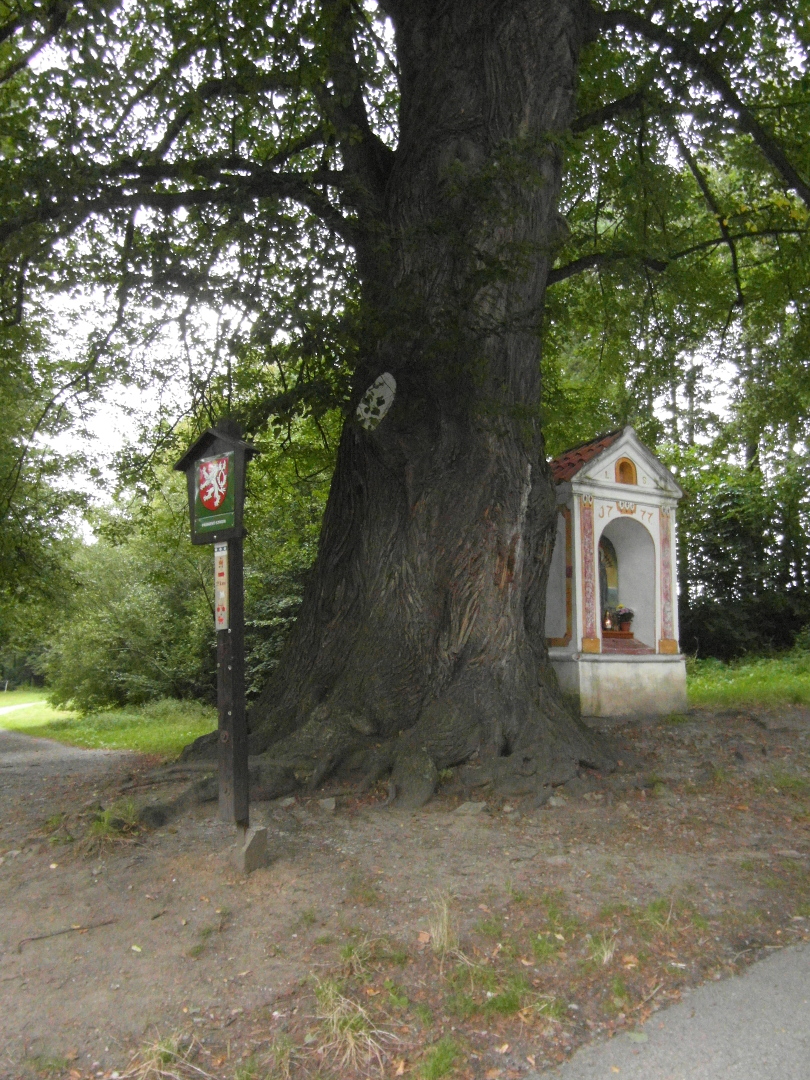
[215, 470]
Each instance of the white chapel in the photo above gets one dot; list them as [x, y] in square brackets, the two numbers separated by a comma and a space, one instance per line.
[615, 552]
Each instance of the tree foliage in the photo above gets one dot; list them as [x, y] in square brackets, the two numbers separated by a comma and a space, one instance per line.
[216, 179]
[136, 623]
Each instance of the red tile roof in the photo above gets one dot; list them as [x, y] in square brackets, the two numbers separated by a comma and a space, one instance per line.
[567, 465]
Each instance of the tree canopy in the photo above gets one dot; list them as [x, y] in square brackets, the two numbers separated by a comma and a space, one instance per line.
[227, 157]
[276, 201]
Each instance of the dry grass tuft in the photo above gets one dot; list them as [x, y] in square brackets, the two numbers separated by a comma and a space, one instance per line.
[283, 1055]
[602, 948]
[352, 1039]
[168, 1058]
[443, 933]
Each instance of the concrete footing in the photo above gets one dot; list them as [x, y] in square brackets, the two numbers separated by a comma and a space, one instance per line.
[251, 850]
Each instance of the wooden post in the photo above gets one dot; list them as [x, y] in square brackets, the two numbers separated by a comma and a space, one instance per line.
[215, 473]
[233, 745]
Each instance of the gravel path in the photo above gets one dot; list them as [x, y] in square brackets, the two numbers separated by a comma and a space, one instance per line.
[21, 753]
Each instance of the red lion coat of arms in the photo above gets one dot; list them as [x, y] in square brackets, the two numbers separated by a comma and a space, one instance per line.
[213, 482]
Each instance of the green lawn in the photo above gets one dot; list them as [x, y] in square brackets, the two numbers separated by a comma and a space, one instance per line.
[161, 727]
[20, 697]
[783, 680]
[165, 727]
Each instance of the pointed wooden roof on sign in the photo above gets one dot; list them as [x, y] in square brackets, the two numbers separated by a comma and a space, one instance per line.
[567, 465]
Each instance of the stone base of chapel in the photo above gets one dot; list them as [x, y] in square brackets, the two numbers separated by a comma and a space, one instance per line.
[616, 684]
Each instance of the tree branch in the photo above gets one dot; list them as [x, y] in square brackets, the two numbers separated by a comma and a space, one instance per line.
[53, 19]
[713, 205]
[368, 161]
[601, 258]
[605, 113]
[689, 55]
[606, 258]
[234, 86]
[227, 189]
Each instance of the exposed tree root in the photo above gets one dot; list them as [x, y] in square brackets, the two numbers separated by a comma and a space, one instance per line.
[525, 759]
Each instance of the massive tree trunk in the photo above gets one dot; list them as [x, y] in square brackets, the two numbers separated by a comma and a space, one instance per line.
[420, 643]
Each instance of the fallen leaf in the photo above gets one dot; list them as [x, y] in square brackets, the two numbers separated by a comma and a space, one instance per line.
[637, 1036]
[400, 1069]
[629, 960]
[503, 1049]
[492, 1074]
[615, 1068]
[424, 937]
[742, 806]
[483, 907]
[532, 1060]
[525, 962]
[372, 991]
[136, 948]
[242, 974]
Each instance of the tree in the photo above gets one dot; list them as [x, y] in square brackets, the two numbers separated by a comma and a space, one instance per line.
[375, 190]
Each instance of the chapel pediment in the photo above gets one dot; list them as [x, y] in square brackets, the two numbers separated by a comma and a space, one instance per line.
[616, 460]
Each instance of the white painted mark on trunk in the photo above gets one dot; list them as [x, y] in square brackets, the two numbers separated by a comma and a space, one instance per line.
[376, 401]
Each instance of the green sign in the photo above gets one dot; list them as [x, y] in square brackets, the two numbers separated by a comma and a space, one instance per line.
[214, 490]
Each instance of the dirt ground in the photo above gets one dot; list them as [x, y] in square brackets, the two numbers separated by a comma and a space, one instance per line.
[461, 940]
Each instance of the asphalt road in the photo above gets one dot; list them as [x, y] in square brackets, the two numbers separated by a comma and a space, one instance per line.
[755, 1026]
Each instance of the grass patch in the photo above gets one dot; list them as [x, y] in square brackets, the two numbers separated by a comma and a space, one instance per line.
[782, 680]
[397, 998]
[783, 783]
[117, 822]
[29, 710]
[510, 999]
[283, 1054]
[160, 727]
[491, 927]
[49, 1065]
[441, 1059]
[249, 1070]
[360, 888]
[545, 948]
[424, 1014]
[21, 697]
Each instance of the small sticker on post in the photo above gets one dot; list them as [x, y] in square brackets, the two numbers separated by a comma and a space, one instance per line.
[221, 596]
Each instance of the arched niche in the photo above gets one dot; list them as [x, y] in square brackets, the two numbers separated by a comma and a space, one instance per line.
[634, 553]
[626, 471]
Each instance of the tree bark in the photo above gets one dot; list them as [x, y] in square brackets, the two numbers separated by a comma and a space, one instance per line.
[420, 643]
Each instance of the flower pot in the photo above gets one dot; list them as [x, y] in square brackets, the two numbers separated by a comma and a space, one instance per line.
[625, 625]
